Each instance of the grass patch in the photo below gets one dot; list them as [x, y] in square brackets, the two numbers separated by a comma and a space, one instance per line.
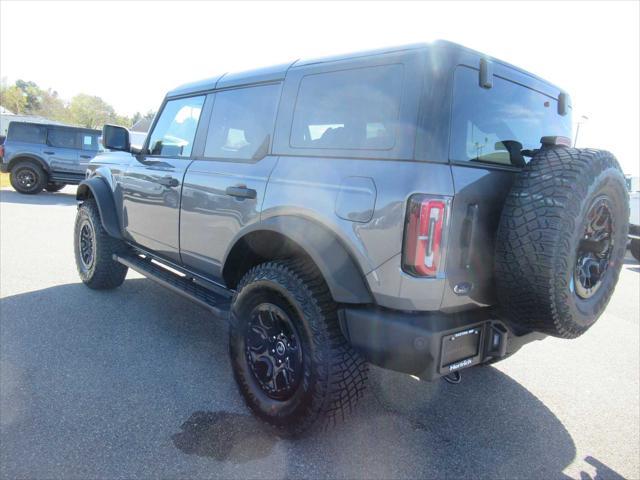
[4, 180]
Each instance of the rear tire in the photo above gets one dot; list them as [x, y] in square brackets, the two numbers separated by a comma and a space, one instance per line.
[561, 241]
[635, 249]
[319, 377]
[54, 187]
[94, 250]
[28, 177]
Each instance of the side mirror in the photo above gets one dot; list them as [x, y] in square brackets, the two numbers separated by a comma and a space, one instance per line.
[116, 138]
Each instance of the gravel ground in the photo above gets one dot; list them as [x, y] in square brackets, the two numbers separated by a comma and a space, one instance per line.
[135, 383]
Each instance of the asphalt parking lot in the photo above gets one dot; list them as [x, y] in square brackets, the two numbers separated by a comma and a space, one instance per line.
[135, 383]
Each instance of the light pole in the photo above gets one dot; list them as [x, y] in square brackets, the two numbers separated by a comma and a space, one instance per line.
[584, 118]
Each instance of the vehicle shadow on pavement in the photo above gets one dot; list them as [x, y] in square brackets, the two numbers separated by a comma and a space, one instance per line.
[136, 382]
[42, 198]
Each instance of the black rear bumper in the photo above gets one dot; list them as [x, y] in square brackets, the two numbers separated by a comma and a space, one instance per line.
[430, 344]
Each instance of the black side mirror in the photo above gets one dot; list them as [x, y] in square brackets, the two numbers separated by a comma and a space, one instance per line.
[116, 138]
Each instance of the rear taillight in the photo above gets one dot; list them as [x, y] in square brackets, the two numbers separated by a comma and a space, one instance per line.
[423, 236]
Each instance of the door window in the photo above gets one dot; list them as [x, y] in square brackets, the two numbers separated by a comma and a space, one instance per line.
[90, 142]
[495, 125]
[175, 130]
[242, 122]
[349, 109]
[61, 138]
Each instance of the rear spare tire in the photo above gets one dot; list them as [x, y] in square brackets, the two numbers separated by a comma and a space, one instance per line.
[561, 241]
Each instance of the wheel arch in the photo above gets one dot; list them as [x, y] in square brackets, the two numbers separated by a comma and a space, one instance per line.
[98, 189]
[21, 157]
[281, 237]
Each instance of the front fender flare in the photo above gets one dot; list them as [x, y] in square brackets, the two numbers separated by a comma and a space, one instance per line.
[103, 195]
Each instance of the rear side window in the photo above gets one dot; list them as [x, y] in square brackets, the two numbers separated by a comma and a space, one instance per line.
[242, 122]
[349, 109]
[494, 125]
[176, 127]
[60, 138]
[25, 132]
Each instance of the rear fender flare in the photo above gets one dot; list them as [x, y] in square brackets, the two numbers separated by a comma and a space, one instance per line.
[28, 156]
[340, 271]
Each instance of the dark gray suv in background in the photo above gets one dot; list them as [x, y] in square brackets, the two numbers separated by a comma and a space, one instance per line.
[40, 156]
[416, 207]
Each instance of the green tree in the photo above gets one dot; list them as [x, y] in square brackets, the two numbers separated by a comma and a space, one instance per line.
[52, 106]
[90, 111]
[33, 95]
[13, 99]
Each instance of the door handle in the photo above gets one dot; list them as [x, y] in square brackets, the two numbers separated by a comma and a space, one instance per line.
[49, 153]
[84, 156]
[168, 181]
[241, 192]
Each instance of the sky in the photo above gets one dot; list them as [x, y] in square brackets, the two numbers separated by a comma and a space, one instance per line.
[131, 53]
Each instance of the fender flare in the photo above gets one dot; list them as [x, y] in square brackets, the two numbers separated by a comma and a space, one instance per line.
[340, 271]
[18, 157]
[99, 189]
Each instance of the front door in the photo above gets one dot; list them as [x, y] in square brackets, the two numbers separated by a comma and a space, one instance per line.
[89, 148]
[152, 186]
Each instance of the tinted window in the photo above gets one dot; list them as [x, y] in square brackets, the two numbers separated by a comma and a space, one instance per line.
[350, 109]
[496, 124]
[90, 141]
[176, 128]
[61, 138]
[242, 122]
[29, 133]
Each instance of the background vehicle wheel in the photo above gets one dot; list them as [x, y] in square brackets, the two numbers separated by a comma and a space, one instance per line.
[289, 357]
[54, 187]
[94, 249]
[28, 177]
[561, 241]
[635, 249]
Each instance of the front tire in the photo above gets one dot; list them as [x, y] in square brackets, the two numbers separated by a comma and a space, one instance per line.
[28, 177]
[292, 364]
[94, 250]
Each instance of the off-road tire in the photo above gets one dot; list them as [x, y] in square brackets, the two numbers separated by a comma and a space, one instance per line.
[54, 187]
[28, 167]
[334, 374]
[543, 221]
[102, 273]
[635, 248]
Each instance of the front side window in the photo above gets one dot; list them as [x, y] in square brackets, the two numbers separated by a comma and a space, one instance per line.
[175, 130]
[242, 122]
[61, 138]
[90, 142]
[26, 132]
[348, 109]
[495, 125]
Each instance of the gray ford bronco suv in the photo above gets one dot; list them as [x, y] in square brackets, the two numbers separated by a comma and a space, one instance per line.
[47, 157]
[418, 208]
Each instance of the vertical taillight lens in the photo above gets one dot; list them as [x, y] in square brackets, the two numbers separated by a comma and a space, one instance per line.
[423, 236]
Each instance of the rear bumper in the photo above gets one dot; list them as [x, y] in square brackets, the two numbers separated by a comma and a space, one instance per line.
[430, 344]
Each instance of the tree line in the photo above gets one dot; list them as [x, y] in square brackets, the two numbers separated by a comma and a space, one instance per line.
[90, 111]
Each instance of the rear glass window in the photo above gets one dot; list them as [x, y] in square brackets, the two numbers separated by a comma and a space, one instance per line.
[242, 123]
[25, 132]
[349, 109]
[495, 125]
[61, 138]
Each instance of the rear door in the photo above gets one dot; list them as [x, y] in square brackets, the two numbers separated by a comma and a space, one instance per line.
[224, 187]
[151, 186]
[61, 150]
[490, 128]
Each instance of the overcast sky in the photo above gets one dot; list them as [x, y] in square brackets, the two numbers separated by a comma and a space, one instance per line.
[131, 53]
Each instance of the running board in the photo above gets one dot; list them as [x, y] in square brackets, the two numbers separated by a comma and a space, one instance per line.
[218, 302]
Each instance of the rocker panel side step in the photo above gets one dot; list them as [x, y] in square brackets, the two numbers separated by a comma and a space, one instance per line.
[186, 285]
